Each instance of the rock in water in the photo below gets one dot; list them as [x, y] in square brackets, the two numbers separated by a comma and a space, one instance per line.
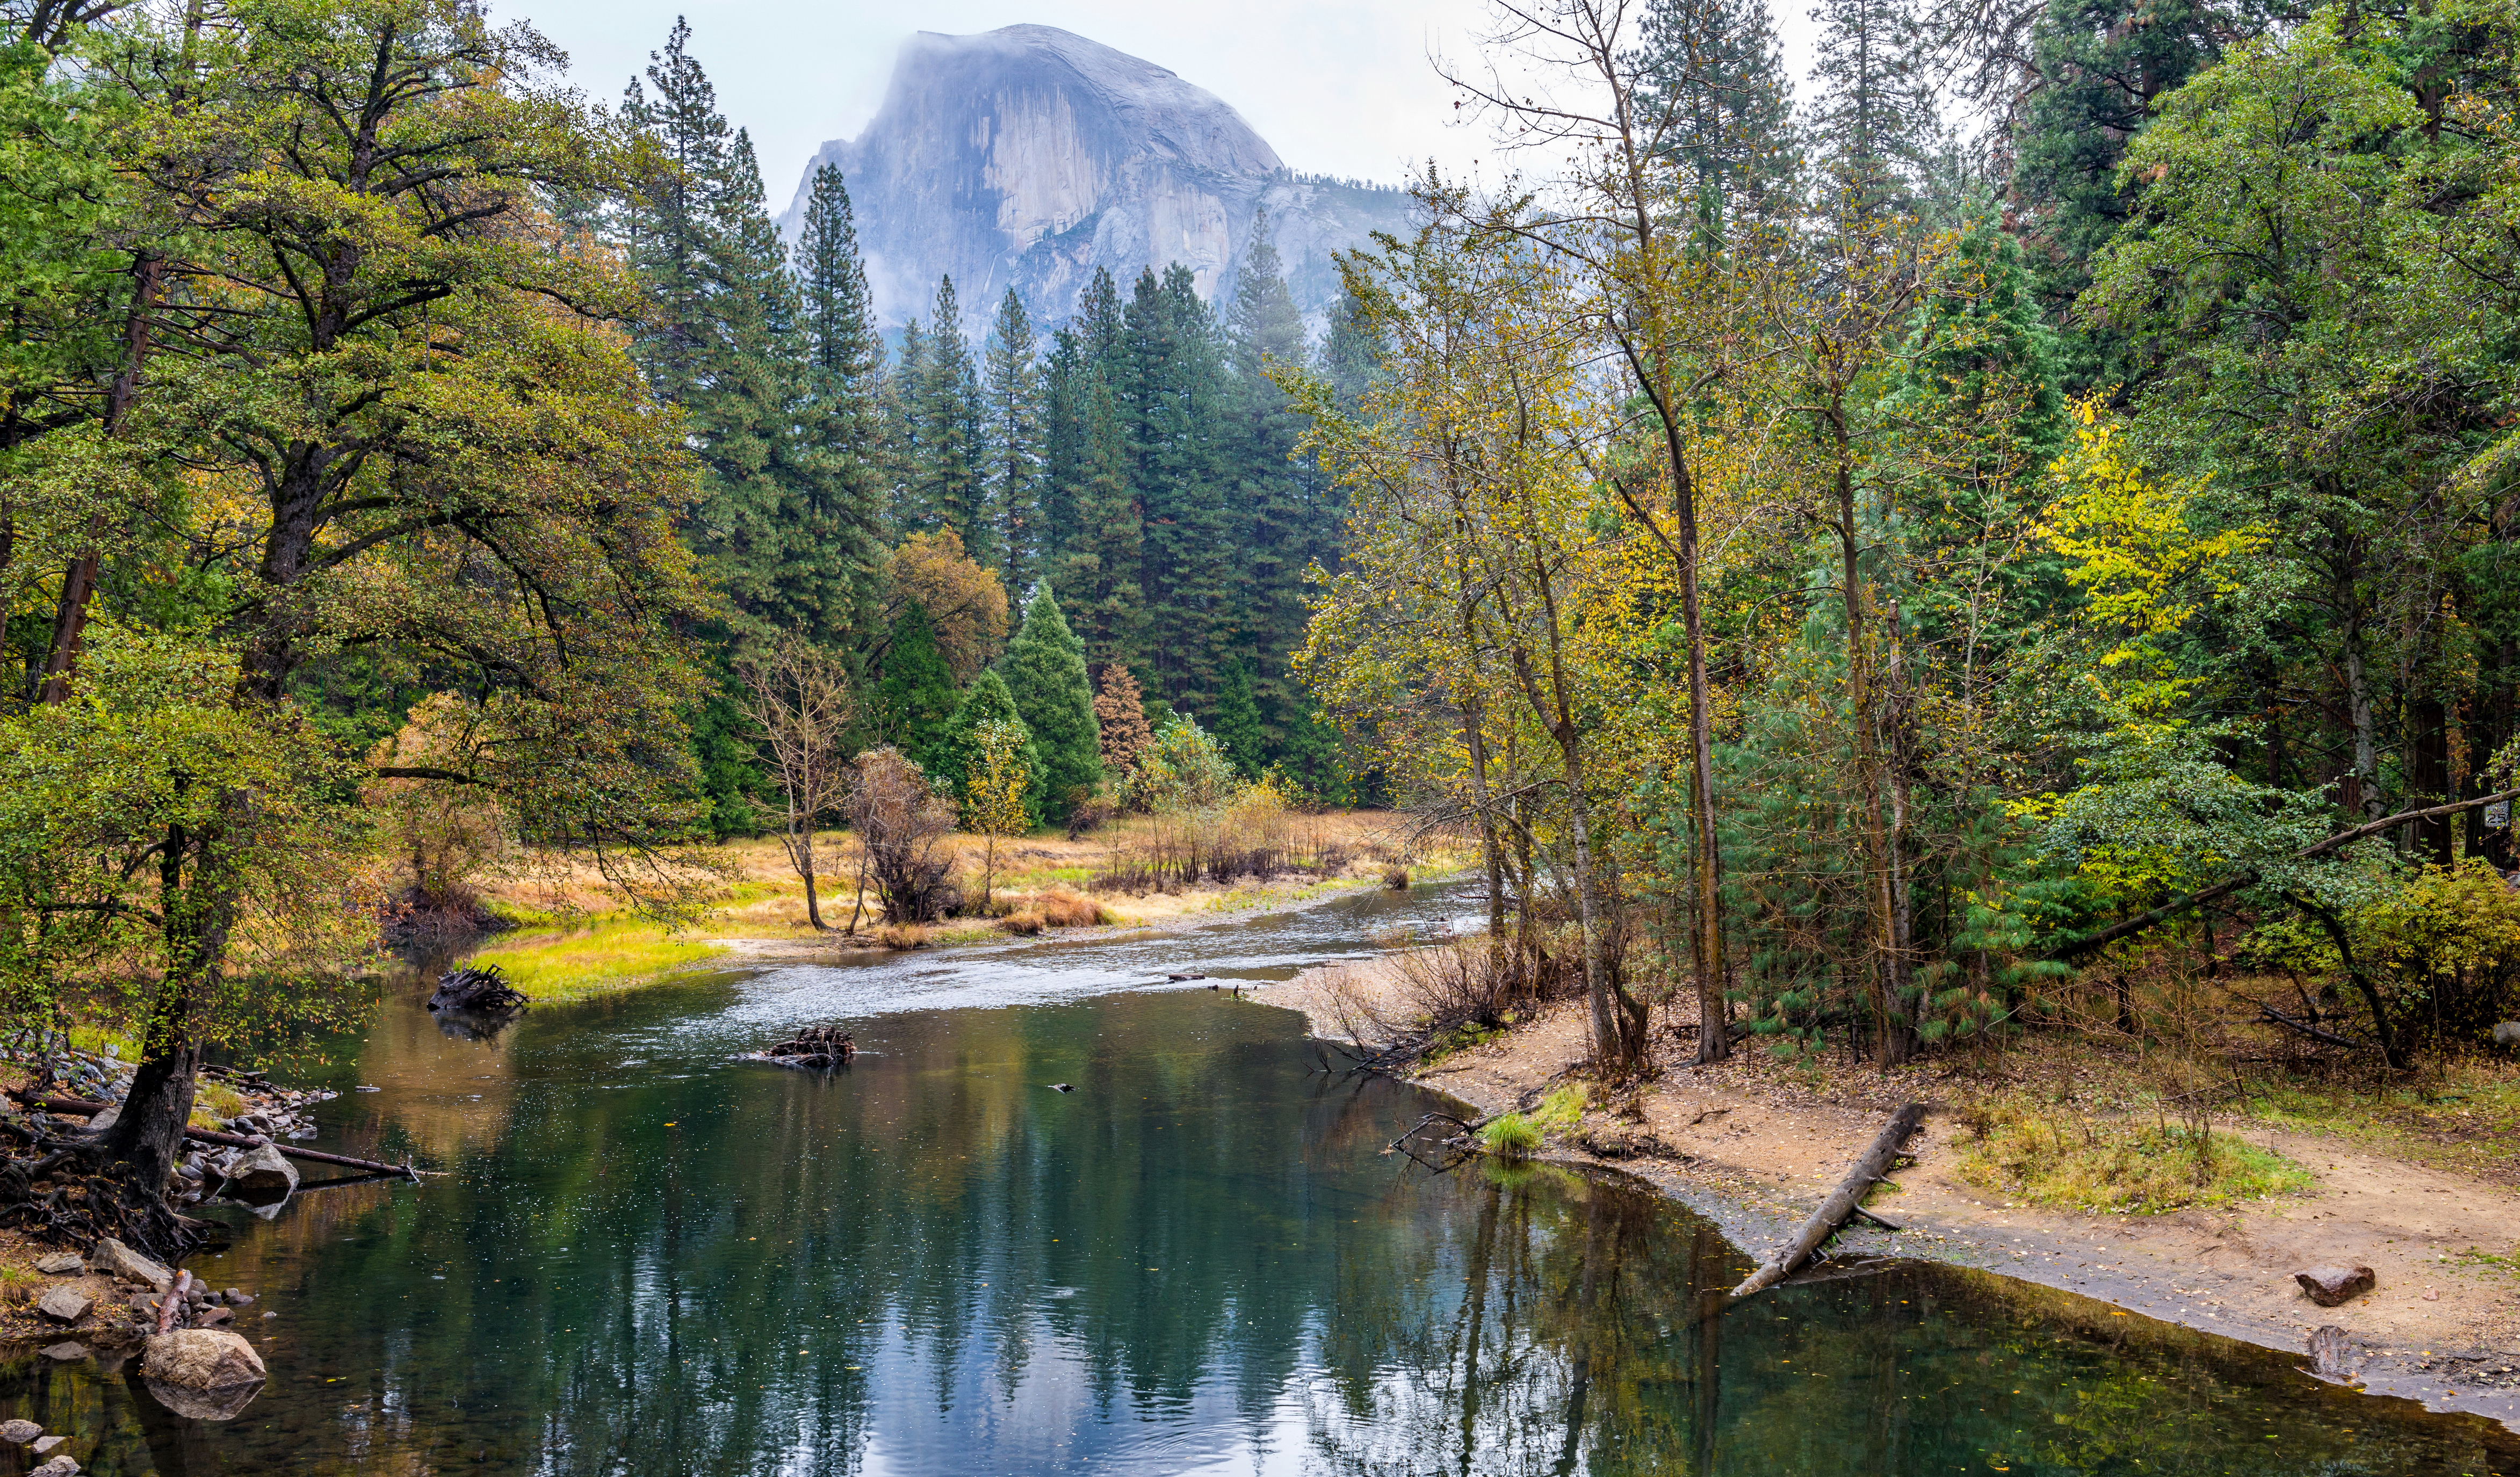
[64, 1305]
[59, 1467]
[201, 1359]
[2329, 1286]
[1026, 157]
[64, 1353]
[19, 1432]
[263, 1177]
[116, 1260]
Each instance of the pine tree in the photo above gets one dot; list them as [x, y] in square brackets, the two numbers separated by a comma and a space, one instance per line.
[1044, 667]
[914, 694]
[844, 403]
[960, 743]
[1013, 441]
[1237, 722]
[730, 345]
[1171, 390]
[1281, 504]
[1099, 526]
[1720, 72]
[1120, 718]
[945, 488]
[1873, 130]
[1352, 350]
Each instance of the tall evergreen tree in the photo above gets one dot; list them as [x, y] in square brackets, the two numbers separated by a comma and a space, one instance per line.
[1238, 721]
[1874, 131]
[1719, 69]
[1285, 517]
[1013, 441]
[1171, 388]
[1044, 667]
[1095, 520]
[843, 420]
[915, 695]
[945, 488]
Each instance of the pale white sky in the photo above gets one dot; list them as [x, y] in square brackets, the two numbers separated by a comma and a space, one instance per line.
[1340, 87]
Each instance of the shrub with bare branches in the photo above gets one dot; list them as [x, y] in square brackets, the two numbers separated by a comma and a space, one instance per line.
[900, 821]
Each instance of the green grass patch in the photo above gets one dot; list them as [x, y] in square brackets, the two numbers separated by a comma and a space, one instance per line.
[1563, 1107]
[2487, 1261]
[2115, 1166]
[608, 954]
[1511, 1135]
[2464, 1121]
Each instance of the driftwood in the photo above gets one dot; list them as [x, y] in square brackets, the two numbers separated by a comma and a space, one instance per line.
[1843, 1202]
[812, 1049]
[84, 1106]
[475, 989]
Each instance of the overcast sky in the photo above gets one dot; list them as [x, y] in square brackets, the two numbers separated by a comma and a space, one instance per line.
[1340, 87]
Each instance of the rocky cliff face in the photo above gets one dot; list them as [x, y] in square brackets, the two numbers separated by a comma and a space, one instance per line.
[1027, 157]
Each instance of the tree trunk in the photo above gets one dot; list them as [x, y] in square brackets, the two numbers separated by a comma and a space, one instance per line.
[1896, 1036]
[2428, 777]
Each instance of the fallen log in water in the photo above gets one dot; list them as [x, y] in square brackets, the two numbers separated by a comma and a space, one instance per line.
[90, 1109]
[1841, 1203]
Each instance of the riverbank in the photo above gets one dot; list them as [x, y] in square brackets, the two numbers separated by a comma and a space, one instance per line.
[573, 941]
[1756, 1146]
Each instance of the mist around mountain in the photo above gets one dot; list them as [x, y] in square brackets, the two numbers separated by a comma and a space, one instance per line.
[1026, 157]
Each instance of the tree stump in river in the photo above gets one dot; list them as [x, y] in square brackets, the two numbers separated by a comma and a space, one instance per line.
[475, 988]
[814, 1046]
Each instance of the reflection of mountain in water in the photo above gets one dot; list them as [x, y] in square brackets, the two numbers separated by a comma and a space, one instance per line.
[1027, 157]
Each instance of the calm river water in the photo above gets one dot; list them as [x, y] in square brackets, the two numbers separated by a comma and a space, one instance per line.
[647, 1260]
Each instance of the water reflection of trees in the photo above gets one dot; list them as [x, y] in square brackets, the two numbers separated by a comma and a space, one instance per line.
[1199, 1240]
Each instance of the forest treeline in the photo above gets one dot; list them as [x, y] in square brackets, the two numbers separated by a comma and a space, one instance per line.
[1133, 459]
[1896, 575]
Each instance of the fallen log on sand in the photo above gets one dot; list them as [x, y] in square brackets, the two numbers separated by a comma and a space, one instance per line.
[90, 1109]
[1843, 1202]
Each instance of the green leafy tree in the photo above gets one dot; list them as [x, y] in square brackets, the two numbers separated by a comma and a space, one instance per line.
[996, 788]
[1044, 667]
[1237, 722]
[409, 432]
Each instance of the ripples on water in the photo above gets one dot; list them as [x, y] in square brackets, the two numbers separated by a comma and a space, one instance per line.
[654, 1262]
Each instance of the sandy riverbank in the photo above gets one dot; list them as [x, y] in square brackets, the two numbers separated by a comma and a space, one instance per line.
[1756, 1155]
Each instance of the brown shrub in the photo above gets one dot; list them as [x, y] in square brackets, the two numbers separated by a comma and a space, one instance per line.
[1396, 878]
[1060, 907]
[1027, 923]
[902, 936]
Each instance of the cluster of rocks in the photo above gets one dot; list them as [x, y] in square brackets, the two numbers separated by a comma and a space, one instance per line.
[27, 1434]
[197, 1366]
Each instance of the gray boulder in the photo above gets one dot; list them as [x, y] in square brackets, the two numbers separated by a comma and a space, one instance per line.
[202, 1359]
[59, 1467]
[19, 1432]
[116, 1260]
[2507, 1033]
[263, 1177]
[61, 1264]
[65, 1304]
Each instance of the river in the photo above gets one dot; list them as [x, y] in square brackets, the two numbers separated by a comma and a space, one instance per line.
[646, 1259]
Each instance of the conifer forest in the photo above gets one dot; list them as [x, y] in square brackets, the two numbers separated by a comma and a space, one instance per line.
[2011, 536]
